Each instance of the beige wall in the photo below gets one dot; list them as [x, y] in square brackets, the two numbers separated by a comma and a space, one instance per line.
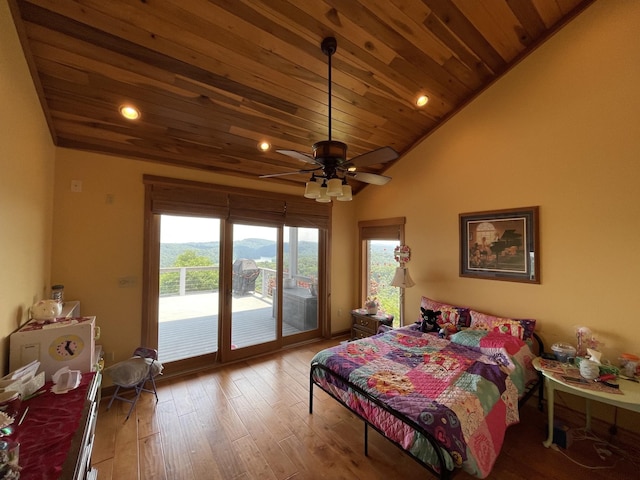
[560, 131]
[26, 188]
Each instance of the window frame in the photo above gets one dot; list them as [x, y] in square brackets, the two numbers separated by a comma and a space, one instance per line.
[381, 229]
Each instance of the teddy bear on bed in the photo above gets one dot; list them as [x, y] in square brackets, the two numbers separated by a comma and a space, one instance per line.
[429, 320]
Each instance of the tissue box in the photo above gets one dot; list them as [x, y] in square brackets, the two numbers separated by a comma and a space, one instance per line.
[25, 386]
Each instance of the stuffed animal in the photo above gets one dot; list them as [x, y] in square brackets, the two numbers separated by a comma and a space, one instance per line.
[429, 320]
[447, 329]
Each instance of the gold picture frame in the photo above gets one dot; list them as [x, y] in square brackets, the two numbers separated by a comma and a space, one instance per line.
[500, 245]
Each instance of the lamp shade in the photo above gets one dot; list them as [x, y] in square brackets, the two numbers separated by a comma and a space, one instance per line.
[334, 187]
[402, 279]
[312, 189]
[346, 193]
[323, 197]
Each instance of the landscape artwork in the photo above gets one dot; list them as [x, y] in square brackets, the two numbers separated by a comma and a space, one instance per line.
[500, 245]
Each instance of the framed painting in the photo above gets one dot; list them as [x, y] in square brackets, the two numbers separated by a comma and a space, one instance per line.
[500, 245]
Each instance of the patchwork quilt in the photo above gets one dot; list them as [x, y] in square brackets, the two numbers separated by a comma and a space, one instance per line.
[463, 391]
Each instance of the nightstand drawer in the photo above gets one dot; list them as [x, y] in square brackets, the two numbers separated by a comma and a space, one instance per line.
[369, 323]
[357, 333]
[363, 325]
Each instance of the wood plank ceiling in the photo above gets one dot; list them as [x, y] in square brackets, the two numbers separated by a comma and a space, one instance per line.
[214, 78]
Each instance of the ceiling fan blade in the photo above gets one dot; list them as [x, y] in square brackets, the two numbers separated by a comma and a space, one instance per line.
[289, 173]
[374, 157]
[303, 157]
[372, 178]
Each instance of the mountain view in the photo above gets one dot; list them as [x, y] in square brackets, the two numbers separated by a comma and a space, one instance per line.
[252, 248]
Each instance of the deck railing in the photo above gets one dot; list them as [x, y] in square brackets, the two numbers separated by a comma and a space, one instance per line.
[201, 279]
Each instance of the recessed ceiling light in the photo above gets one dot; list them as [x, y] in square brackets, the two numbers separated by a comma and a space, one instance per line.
[422, 100]
[264, 146]
[129, 112]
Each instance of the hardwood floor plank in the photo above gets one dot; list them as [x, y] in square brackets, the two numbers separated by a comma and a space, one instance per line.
[145, 415]
[126, 458]
[202, 457]
[265, 432]
[174, 438]
[150, 451]
[256, 463]
[182, 397]
[104, 444]
[105, 469]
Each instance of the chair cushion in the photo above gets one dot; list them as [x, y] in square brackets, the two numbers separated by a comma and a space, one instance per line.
[132, 371]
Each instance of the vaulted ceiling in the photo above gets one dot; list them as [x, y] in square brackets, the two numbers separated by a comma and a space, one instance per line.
[214, 78]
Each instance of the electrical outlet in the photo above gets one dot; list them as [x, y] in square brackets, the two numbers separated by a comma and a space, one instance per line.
[76, 186]
[339, 313]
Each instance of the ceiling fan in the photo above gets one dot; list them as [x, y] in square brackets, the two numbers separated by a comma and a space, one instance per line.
[330, 157]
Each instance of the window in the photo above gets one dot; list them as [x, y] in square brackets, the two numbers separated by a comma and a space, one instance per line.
[378, 238]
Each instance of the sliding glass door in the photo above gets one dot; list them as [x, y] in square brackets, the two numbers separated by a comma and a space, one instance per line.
[191, 305]
[253, 309]
[188, 301]
[300, 280]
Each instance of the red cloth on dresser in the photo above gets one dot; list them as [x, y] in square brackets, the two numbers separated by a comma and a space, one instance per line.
[46, 432]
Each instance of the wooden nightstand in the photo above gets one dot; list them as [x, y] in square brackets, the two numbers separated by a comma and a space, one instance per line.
[364, 325]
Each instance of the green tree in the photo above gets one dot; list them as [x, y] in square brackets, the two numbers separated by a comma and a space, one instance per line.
[196, 280]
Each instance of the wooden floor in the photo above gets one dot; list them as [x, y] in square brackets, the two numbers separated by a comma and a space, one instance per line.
[250, 420]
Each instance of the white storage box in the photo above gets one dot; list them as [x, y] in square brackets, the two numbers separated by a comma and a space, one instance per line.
[64, 343]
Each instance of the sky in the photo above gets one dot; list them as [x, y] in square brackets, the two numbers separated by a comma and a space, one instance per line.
[195, 229]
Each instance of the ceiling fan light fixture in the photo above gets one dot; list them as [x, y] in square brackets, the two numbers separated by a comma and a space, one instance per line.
[334, 187]
[312, 188]
[264, 146]
[346, 193]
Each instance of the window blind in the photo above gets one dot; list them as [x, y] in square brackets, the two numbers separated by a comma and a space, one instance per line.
[183, 197]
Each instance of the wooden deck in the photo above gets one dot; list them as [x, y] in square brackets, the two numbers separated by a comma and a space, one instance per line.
[183, 335]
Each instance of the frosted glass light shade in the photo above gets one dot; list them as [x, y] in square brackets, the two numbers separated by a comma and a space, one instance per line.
[346, 193]
[334, 187]
[402, 278]
[312, 189]
[323, 198]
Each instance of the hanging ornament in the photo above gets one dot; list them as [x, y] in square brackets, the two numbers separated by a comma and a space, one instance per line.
[402, 254]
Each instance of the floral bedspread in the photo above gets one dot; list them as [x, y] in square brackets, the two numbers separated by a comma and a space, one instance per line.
[463, 391]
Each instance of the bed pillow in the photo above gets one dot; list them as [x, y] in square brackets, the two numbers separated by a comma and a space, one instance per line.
[451, 317]
[469, 338]
[487, 340]
[520, 328]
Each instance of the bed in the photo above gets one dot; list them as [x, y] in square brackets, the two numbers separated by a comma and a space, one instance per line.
[447, 401]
